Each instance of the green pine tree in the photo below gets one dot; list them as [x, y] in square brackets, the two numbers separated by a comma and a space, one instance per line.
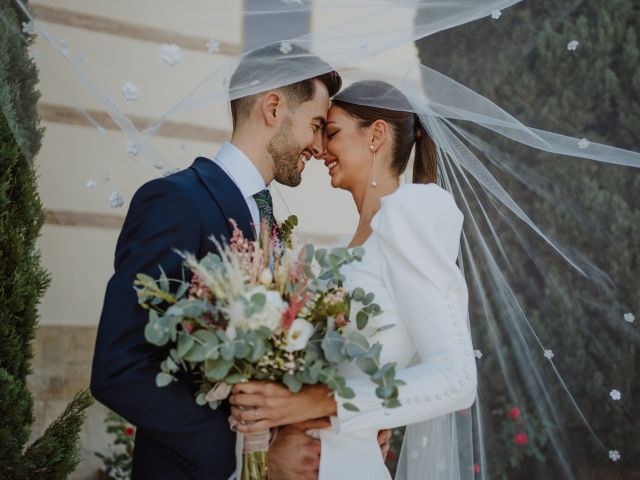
[23, 280]
[521, 62]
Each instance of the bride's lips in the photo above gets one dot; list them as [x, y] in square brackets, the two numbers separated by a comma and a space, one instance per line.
[331, 164]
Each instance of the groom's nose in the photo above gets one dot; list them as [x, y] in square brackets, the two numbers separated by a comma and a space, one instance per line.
[317, 147]
[317, 152]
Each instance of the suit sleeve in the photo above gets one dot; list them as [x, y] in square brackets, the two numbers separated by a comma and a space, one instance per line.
[419, 233]
[160, 219]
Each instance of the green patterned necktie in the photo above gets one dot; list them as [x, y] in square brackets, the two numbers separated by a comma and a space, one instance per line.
[265, 207]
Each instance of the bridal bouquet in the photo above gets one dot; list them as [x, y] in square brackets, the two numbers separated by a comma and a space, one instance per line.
[263, 311]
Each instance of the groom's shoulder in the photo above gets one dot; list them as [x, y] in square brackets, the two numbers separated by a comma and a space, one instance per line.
[185, 181]
[180, 185]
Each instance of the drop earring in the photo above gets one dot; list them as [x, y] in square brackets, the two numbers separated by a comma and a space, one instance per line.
[373, 181]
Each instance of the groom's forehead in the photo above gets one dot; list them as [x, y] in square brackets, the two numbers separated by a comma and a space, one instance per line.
[318, 107]
[321, 100]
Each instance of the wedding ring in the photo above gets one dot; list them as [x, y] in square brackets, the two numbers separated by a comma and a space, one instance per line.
[256, 413]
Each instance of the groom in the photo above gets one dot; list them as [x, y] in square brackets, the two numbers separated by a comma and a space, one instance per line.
[274, 133]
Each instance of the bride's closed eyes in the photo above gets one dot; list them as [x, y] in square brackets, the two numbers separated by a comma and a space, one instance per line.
[330, 133]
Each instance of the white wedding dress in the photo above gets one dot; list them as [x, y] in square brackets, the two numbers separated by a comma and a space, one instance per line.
[410, 266]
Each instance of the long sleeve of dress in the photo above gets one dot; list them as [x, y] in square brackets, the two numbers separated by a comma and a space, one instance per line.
[419, 229]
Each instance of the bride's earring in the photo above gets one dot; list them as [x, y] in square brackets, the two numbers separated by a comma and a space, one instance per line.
[373, 181]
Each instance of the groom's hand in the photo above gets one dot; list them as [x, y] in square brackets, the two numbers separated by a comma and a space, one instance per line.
[384, 440]
[258, 406]
[294, 455]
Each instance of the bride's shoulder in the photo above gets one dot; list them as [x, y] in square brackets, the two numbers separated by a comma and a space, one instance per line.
[426, 202]
[419, 215]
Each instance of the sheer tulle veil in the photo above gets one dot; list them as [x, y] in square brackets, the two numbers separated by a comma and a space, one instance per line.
[550, 236]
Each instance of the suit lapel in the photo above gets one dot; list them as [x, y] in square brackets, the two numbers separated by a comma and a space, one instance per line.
[225, 193]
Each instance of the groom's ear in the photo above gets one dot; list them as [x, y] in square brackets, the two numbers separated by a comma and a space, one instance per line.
[379, 133]
[271, 106]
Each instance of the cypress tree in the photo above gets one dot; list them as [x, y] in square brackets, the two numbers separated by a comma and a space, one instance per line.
[23, 280]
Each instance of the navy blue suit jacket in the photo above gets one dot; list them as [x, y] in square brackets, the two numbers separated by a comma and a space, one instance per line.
[176, 439]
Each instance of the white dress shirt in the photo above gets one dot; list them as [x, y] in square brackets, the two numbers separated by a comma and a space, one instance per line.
[244, 174]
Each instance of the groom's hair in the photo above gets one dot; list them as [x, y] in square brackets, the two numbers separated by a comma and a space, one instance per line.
[273, 65]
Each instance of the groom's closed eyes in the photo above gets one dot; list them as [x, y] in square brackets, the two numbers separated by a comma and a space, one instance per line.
[318, 123]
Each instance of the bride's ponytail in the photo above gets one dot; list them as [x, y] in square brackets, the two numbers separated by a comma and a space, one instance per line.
[425, 162]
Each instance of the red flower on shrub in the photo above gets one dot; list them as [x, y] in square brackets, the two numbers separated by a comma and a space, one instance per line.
[129, 431]
[476, 468]
[514, 413]
[520, 439]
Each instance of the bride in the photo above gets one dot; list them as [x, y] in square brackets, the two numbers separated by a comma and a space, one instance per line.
[411, 235]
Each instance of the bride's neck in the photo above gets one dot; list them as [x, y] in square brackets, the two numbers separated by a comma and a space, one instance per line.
[367, 200]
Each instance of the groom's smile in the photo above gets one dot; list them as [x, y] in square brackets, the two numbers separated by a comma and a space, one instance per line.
[305, 156]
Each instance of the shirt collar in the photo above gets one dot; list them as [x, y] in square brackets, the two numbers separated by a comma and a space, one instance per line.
[242, 170]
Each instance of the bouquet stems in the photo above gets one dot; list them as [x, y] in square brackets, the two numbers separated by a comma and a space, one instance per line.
[255, 463]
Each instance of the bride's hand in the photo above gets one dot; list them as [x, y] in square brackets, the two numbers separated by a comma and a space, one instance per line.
[258, 406]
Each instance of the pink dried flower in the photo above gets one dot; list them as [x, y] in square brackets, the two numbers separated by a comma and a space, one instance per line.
[297, 301]
[188, 327]
[198, 288]
[341, 321]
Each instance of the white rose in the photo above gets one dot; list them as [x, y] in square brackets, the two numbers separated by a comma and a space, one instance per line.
[270, 316]
[298, 335]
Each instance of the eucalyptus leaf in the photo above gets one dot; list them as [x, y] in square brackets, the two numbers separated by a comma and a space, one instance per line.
[385, 391]
[182, 289]
[236, 378]
[171, 365]
[368, 298]
[380, 374]
[350, 406]
[347, 393]
[367, 365]
[185, 342]
[163, 379]
[197, 354]
[308, 251]
[175, 311]
[314, 371]
[392, 403]
[205, 336]
[384, 328]
[257, 351]
[242, 350]
[228, 350]
[362, 318]
[156, 301]
[217, 370]
[390, 373]
[146, 280]
[358, 294]
[332, 345]
[164, 281]
[326, 275]
[259, 300]
[201, 399]
[263, 332]
[292, 382]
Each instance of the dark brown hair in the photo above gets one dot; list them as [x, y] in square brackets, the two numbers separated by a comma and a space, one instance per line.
[266, 64]
[406, 128]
